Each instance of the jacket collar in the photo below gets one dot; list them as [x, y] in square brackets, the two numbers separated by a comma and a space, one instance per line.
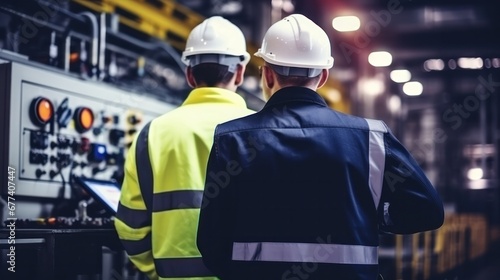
[295, 94]
[214, 95]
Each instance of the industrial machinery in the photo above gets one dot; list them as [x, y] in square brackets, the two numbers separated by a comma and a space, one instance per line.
[58, 127]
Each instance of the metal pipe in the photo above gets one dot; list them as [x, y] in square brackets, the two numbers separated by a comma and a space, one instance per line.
[483, 124]
[152, 46]
[95, 43]
[102, 46]
[495, 140]
[67, 49]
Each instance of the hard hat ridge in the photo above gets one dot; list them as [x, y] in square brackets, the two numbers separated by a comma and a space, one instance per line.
[296, 42]
[215, 36]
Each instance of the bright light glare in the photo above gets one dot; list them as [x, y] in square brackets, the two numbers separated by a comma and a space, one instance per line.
[231, 8]
[394, 104]
[470, 63]
[475, 173]
[380, 59]
[413, 88]
[346, 23]
[400, 76]
[288, 6]
[334, 95]
[277, 3]
[434, 64]
[372, 86]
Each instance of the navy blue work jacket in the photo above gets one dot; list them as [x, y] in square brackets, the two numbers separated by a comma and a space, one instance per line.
[300, 191]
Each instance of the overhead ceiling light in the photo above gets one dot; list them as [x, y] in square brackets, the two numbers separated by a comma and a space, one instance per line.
[452, 64]
[470, 62]
[380, 59]
[400, 76]
[413, 88]
[475, 173]
[434, 64]
[495, 62]
[231, 8]
[346, 23]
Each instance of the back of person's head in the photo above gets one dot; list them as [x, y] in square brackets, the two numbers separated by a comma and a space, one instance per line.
[215, 52]
[296, 49]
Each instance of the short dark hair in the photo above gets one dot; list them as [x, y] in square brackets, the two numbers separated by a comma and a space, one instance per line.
[211, 74]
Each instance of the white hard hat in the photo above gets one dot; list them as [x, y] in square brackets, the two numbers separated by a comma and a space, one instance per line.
[215, 36]
[296, 41]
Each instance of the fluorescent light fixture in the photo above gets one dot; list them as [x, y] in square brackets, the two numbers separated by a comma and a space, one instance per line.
[470, 62]
[413, 88]
[434, 64]
[487, 63]
[231, 8]
[495, 62]
[475, 173]
[452, 64]
[380, 59]
[346, 23]
[400, 76]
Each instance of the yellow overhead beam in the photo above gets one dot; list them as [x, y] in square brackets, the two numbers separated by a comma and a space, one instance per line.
[169, 21]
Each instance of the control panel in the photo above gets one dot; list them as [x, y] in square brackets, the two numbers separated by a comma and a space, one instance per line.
[61, 126]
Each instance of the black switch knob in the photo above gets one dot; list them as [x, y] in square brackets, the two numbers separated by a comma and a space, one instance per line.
[53, 174]
[39, 140]
[39, 173]
[115, 135]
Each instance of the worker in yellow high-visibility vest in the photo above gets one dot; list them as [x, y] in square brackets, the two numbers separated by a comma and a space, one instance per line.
[165, 169]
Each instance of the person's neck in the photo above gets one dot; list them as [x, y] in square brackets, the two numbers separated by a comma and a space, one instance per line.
[313, 88]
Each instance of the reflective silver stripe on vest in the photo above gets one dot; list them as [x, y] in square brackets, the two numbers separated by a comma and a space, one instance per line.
[182, 199]
[181, 267]
[305, 252]
[376, 155]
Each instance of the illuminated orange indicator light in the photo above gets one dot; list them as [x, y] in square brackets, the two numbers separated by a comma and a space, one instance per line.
[84, 119]
[44, 110]
[41, 111]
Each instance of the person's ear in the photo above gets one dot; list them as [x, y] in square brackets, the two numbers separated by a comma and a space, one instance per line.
[240, 73]
[268, 76]
[189, 77]
[323, 78]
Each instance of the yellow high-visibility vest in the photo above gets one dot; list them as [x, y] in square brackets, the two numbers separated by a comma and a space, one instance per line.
[162, 190]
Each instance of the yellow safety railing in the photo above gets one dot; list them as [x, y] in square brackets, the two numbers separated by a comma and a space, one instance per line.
[462, 238]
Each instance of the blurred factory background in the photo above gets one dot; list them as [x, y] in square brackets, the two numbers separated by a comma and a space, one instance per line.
[79, 78]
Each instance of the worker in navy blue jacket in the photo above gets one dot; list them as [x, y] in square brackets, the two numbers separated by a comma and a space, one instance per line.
[300, 191]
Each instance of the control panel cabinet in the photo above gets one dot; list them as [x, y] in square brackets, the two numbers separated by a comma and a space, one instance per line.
[55, 126]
